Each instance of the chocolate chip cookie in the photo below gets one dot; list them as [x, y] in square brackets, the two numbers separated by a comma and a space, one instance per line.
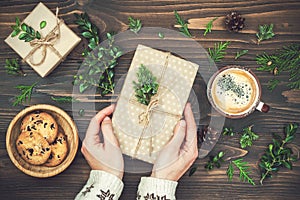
[43, 123]
[33, 148]
[59, 150]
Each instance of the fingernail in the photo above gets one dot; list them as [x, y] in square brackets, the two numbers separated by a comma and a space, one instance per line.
[106, 118]
[182, 123]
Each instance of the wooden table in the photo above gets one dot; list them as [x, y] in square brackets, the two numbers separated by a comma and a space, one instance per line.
[112, 16]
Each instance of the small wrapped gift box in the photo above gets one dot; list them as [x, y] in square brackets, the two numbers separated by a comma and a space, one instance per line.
[57, 41]
[143, 139]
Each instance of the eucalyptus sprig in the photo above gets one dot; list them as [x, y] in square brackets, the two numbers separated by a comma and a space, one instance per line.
[27, 33]
[278, 154]
[286, 59]
[98, 68]
[89, 30]
[135, 25]
[219, 51]
[209, 26]
[243, 170]
[146, 85]
[12, 67]
[265, 32]
[241, 53]
[64, 99]
[25, 95]
[215, 161]
[184, 26]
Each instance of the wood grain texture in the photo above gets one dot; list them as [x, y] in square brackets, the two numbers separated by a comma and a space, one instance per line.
[112, 16]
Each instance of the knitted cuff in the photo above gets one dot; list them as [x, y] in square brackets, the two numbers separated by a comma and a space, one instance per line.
[156, 188]
[101, 185]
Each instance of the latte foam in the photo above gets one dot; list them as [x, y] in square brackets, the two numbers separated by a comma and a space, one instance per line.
[234, 91]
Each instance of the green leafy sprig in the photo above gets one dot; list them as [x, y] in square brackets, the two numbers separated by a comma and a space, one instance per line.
[209, 26]
[243, 168]
[146, 85]
[27, 33]
[218, 52]
[215, 161]
[135, 25]
[277, 154]
[64, 99]
[247, 136]
[184, 26]
[286, 59]
[12, 67]
[98, 68]
[25, 95]
[89, 30]
[265, 32]
[241, 53]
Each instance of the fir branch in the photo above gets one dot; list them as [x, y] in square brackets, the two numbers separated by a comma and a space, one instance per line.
[25, 95]
[241, 53]
[218, 52]
[64, 99]
[265, 32]
[215, 161]
[146, 86]
[25, 32]
[135, 25]
[243, 168]
[209, 26]
[89, 30]
[286, 59]
[230, 171]
[184, 26]
[272, 84]
[247, 138]
[12, 67]
[277, 154]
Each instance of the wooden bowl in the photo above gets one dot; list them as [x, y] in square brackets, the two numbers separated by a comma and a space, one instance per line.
[65, 123]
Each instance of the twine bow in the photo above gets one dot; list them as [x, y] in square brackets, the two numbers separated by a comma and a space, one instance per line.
[144, 117]
[45, 43]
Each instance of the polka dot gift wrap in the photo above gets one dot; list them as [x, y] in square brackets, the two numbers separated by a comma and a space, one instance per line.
[175, 77]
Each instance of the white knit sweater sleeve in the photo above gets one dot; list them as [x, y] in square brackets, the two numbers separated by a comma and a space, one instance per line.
[101, 185]
[154, 188]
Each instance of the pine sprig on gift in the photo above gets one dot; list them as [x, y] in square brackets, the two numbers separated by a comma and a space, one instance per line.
[135, 25]
[215, 161]
[209, 26]
[243, 170]
[98, 68]
[89, 30]
[12, 67]
[184, 26]
[277, 154]
[265, 32]
[146, 85]
[218, 52]
[285, 60]
[27, 33]
[25, 95]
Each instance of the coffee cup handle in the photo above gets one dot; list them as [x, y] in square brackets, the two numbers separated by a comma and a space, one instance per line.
[262, 107]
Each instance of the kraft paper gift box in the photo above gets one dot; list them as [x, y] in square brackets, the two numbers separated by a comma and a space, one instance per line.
[57, 41]
[143, 139]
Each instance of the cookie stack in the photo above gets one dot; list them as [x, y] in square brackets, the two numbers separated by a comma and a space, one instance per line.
[41, 141]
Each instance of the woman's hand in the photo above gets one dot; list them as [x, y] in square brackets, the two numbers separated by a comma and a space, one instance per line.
[180, 153]
[103, 154]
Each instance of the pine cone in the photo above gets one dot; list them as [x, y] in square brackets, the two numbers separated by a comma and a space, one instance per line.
[234, 21]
